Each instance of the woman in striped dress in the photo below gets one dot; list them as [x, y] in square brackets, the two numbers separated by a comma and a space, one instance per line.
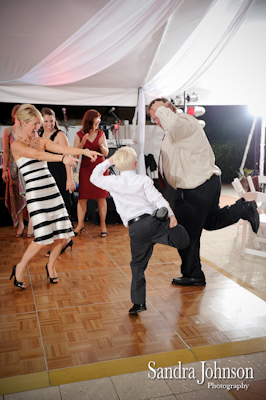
[46, 207]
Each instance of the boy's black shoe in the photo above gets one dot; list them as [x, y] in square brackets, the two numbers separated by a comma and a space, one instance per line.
[161, 214]
[137, 308]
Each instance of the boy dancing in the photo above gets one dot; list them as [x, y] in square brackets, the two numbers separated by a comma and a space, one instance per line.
[143, 209]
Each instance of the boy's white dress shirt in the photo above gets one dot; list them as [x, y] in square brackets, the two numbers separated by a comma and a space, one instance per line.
[133, 194]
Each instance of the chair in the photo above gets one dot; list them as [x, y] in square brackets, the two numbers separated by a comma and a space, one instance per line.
[261, 183]
[238, 187]
[260, 199]
[260, 237]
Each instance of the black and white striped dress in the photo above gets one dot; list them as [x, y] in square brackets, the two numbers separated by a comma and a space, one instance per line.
[44, 202]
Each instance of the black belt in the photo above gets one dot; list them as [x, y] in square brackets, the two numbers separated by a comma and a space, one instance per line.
[131, 221]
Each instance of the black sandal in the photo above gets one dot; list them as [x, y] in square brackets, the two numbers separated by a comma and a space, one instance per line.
[52, 280]
[17, 283]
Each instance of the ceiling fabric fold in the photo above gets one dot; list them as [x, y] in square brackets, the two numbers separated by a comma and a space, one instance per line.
[115, 31]
[102, 53]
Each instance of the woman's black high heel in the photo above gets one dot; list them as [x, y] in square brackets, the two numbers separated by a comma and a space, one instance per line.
[79, 232]
[70, 243]
[52, 280]
[17, 283]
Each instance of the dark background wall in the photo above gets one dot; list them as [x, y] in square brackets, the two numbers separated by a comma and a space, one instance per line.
[227, 128]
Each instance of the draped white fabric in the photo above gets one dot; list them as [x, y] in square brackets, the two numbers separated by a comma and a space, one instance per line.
[201, 48]
[125, 97]
[105, 39]
[102, 53]
[122, 45]
[199, 51]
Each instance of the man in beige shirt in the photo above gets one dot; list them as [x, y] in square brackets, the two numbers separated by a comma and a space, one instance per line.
[189, 168]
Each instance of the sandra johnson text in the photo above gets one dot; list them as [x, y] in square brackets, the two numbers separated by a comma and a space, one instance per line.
[210, 372]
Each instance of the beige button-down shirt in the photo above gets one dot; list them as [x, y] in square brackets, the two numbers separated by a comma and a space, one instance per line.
[187, 157]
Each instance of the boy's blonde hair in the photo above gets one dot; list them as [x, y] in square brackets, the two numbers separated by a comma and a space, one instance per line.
[125, 159]
[27, 112]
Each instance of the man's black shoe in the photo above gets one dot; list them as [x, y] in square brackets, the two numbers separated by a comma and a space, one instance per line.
[183, 281]
[251, 214]
[137, 308]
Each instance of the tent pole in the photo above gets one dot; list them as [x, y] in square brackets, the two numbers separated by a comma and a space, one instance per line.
[241, 169]
[185, 102]
[262, 147]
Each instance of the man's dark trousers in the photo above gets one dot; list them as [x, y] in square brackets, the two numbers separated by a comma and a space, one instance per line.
[198, 209]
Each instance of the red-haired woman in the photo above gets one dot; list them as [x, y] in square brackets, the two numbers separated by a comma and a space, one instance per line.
[92, 138]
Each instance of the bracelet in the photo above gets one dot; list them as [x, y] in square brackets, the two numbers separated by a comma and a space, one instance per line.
[63, 158]
[85, 151]
[5, 170]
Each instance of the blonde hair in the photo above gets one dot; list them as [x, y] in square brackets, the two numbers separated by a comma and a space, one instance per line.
[27, 112]
[125, 159]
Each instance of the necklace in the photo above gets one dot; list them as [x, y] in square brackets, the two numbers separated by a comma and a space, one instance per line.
[35, 140]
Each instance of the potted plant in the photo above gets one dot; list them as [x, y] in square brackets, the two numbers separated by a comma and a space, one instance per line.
[244, 179]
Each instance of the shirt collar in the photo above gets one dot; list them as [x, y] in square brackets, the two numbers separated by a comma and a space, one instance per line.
[132, 172]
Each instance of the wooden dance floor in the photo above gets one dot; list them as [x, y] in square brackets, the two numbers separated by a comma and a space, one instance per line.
[80, 329]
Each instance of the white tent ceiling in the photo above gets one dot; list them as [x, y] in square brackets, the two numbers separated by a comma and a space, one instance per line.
[87, 52]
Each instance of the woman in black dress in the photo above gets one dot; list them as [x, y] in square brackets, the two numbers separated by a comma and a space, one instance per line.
[62, 173]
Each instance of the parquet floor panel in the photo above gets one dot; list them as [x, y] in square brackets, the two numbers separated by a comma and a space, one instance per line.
[83, 320]
[21, 349]
[216, 321]
[76, 260]
[14, 301]
[80, 288]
